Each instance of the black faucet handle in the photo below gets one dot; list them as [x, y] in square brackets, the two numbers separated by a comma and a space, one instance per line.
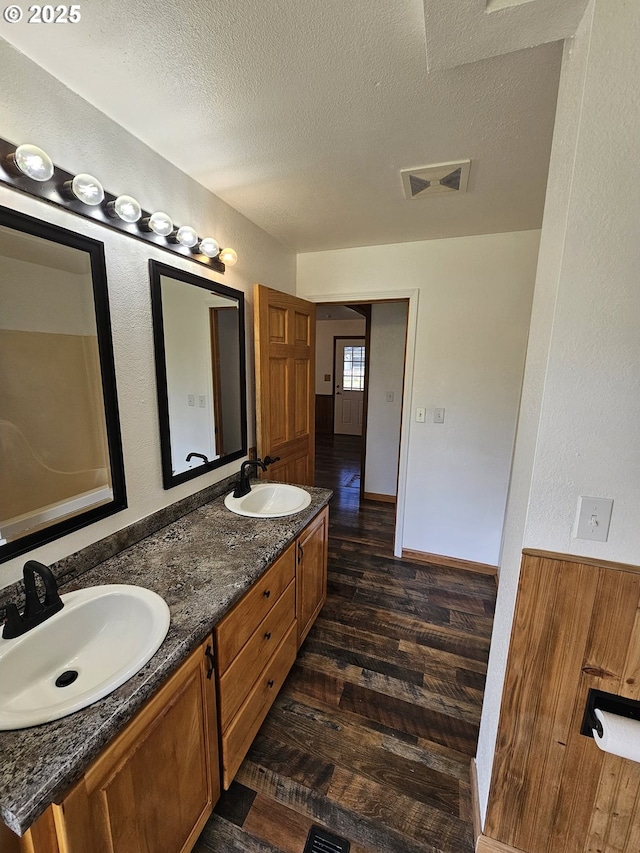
[268, 460]
[12, 622]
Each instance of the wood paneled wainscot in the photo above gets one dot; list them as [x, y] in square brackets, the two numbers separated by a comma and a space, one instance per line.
[576, 626]
[152, 788]
[257, 641]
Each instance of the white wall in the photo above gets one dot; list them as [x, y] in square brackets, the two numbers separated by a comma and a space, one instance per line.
[39, 109]
[473, 316]
[578, 429]
[35, 298]
[386, 370]
[326, 330]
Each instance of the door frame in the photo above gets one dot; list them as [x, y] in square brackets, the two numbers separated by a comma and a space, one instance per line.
[411, 296]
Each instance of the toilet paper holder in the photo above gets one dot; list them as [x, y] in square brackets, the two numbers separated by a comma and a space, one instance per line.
[620, 705]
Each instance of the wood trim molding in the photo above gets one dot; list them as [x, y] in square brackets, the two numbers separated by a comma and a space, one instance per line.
[475, 802]
[450, 562]
[484, 844]
[374, 496]
[583, 561]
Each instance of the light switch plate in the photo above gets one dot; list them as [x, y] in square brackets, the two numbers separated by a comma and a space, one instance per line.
[438, 416]
[420, 414]
[594, 518]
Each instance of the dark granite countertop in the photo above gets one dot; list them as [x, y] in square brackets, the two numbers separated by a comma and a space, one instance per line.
[200, 564]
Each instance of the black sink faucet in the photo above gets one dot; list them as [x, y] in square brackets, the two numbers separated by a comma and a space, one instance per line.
[35, 610]
[243, 486]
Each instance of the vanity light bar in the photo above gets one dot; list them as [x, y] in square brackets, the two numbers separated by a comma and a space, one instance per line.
[30, 170]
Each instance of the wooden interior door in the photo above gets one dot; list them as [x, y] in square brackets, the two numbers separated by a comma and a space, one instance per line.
[285, 379]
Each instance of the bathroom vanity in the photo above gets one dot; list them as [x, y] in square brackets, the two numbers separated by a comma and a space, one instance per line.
[243, 593]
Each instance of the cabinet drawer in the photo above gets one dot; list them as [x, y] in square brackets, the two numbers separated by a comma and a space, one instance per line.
[244, 726]
[233, 631]
[240, 676]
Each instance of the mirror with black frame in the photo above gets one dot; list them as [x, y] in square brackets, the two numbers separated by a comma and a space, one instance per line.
[198, 327]
[61, 462]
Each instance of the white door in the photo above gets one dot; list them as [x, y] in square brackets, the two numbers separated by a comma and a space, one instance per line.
[349, 386]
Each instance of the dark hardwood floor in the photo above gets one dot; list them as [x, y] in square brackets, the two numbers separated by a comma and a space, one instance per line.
[373, 731]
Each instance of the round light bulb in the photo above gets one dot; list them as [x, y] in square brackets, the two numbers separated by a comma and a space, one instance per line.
[209, 247]
[186, 236]
[33, 162]
[160, 223]
[86, 189]
[125, 207]
[228, 257]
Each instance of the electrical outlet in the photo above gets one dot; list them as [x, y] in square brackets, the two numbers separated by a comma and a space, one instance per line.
[594, 518]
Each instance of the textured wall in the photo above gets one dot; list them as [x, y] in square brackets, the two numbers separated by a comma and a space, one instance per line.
[473, 316]
[39, 109]
[578, 430]
[326, 330]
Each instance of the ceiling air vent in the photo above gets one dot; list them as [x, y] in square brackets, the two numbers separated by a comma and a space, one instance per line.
[424, 181]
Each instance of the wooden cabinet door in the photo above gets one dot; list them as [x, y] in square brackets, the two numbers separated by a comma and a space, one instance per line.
[155, 785]
[311, 573]
[285, 383]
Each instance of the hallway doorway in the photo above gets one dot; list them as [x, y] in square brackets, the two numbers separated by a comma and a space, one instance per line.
[362, 346]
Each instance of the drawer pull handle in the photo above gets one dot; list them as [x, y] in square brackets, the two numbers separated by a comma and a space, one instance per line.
[267, 636]
[271, 682]
[267, 593]
[210, 658]
[300, 552]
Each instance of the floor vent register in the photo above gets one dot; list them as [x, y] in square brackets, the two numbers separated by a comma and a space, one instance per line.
[321, 841]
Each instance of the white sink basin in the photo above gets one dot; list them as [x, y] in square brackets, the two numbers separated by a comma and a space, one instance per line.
[269, 500]
[105, 634]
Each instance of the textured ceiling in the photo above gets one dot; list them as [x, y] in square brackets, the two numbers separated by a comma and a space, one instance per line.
[465, 31]
[302, 114]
